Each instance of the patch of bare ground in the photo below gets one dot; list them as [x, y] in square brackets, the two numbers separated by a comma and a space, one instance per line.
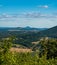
[13, 49]
[35, 42]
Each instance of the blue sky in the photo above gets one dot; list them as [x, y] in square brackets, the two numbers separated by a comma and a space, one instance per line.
[34, 13]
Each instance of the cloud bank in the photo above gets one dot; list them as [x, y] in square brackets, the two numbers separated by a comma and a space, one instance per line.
[27, 15]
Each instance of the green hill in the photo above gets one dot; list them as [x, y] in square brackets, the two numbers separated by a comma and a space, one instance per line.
[52, 32]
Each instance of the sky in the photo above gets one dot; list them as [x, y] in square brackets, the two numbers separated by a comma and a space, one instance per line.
[33, 13]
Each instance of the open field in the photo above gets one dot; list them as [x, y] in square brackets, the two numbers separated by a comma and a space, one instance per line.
[13, 49]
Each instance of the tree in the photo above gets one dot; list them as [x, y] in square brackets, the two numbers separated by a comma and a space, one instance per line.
[48, 47]
[6, 57]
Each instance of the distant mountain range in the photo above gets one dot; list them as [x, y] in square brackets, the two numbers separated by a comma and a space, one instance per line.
[21, 29]
[40, 32]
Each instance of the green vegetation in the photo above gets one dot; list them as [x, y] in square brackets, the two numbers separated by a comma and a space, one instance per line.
[25, 37]
[47, 50]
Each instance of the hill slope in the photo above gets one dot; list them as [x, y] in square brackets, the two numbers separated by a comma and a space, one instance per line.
[52, 32]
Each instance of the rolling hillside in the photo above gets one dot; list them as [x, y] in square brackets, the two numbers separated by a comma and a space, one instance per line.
[27, 37]
[52, 32]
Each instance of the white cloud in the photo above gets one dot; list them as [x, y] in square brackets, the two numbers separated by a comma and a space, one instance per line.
[37, 15]
[31, 14]
[26, 15]
[43, 6]
[34, 19]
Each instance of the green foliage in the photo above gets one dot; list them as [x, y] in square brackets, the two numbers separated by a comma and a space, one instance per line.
[32, 58]
[26, 59]
[48, 47]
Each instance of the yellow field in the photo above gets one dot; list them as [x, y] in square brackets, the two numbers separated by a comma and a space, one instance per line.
[13, 49]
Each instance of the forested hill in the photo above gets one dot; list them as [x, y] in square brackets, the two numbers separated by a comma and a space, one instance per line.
[51, 32]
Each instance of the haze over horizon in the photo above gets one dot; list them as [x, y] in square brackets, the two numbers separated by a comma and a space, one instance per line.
[33, 13]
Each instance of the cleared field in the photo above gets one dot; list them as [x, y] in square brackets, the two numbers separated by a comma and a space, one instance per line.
[35, 42]
[13, 49]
